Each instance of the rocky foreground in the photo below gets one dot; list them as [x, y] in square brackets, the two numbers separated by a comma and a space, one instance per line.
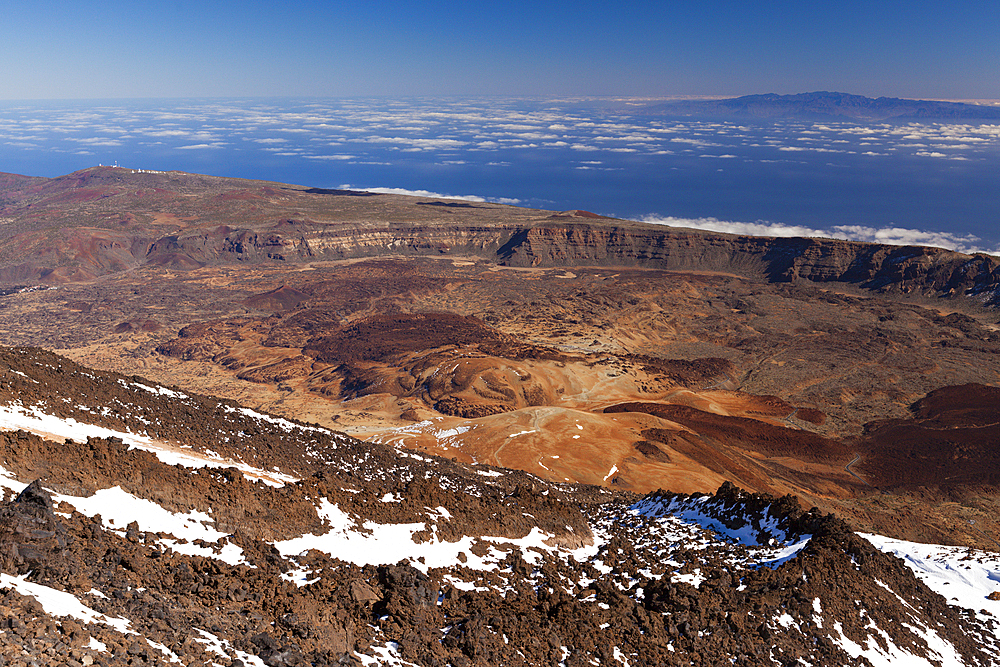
[142, 525]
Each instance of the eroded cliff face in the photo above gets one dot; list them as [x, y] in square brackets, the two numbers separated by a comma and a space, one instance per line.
[931, 271]
[303, 241]
[905, 269]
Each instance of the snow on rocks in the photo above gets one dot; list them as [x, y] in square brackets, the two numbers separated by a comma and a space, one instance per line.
[59, 603]
[887, 654]
[694, 589]
[964, 577]
[34, 420]
[378, 558]
[118, 509]
[373, 543]
[751, 521]
[280, 422]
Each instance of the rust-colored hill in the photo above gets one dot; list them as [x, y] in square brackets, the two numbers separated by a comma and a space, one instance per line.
[952, 442]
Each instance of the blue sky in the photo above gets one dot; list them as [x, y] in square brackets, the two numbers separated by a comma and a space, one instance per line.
[58, 50]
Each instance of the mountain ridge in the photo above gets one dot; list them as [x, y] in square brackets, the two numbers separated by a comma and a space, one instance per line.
[822, 105]
[184, 222]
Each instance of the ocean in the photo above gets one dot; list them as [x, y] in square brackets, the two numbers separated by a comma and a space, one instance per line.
[934, 183]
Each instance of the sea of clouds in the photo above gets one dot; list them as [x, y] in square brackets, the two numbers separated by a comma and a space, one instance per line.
[927, 183]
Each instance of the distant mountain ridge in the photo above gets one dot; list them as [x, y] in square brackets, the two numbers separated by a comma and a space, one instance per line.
[825, 105]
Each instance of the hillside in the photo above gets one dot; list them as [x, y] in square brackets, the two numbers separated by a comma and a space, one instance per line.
[172, 528]
[107, 220]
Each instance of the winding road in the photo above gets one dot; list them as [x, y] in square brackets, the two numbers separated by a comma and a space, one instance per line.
[857, 457]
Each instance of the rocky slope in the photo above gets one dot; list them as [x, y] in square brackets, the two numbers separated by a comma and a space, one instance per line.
[170, 528]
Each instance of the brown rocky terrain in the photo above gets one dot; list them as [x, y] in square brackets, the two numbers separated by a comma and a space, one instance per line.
[520, 338]
[661, 579]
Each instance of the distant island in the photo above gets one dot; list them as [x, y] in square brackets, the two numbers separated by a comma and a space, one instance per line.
[824, 105]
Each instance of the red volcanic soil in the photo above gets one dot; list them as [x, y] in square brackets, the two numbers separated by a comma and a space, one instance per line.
[748, 434]
[14, 182]
[139, 325]
[578, 214]
[281, 299]
[78, 195]
[691, 372]
[963, 405]
[811, 415]
[383, 336]
[953, 440]
[386, 336]
[240, 195]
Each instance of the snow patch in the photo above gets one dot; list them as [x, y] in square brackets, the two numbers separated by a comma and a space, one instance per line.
[60, 603]
[118, 509]
[964, 577]
[388, 543]
[17, 417]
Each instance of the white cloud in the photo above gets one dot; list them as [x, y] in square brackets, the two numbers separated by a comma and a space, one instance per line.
[98, 141]
[417, 144]
[729, 227]
[435, 195]
[165, 133]
[965, 243]
[535, 136]
[627, 137]
[694, 142]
